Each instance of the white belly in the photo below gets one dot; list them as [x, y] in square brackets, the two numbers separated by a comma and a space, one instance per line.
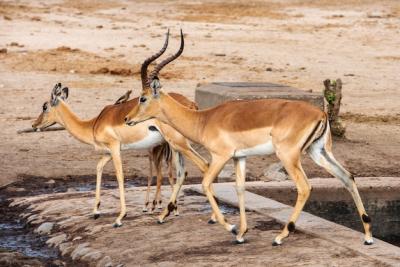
[262, 149]
[152, 139]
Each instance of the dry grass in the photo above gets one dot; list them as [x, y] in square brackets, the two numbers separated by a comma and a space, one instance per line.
[65, 59]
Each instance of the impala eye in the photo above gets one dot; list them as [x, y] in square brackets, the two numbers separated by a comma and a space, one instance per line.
[142, 99]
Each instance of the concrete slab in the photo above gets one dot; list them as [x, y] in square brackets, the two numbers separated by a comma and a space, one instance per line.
[209, 95]
[310, 224]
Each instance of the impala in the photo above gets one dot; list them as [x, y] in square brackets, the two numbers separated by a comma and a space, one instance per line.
[108, 133]
[239, 129]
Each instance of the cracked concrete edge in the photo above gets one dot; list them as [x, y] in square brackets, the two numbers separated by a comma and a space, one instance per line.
[308, 223]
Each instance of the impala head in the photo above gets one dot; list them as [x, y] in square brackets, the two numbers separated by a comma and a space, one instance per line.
[149, 101]
[48, 116]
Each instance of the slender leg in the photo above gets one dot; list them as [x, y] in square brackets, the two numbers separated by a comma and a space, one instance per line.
[180, 178]
[321, 153]
[186, 149]
[100, 165]
[171, 181]
[240, 167]
[213, 218]
[215, 167]
[157, 198]
[294, 169]
[116, 156]
[149, 179]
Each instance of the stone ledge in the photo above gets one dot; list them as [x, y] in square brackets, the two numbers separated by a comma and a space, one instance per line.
[310, 224]
[212, 94]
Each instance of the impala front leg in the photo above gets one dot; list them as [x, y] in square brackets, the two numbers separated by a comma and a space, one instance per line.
[100, 165]
[240, 166]
[149, 179]
[120, 178]
[215, 167]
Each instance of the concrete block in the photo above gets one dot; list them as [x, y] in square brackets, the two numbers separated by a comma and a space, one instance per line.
[212, 94]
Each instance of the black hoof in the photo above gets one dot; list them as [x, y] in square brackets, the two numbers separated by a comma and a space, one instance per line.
[239, 242]
[116, 225]
[275, 244]
[160, 222]
[96, 216]
[210, 221]
[144, 211]
[234, 230]
[367, 243]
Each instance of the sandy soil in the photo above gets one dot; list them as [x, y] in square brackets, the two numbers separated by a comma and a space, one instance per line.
[96, 48]
[96, 242]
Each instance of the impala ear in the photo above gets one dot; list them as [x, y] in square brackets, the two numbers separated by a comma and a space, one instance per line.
[64, 93]
[155, 86]
[58, 93]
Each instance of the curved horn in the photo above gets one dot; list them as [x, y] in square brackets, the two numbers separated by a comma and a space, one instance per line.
[157, 69]
[146, 63]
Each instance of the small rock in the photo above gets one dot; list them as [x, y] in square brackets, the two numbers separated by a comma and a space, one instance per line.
[72, 71]
[276, 172]
[99, 26]
[15, 189]
[105, 262]
[80, 251]
[77, 238]
[45, 228]
[3, 51]
[7, 18]
[219, 55]
[268, 69]
[94, 255]
[102, 70]
[57, 240]
[32, 217]
[36, 18]
[65, 248]
[51, 181]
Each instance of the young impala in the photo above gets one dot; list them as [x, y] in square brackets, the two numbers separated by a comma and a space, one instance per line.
[108, 132]
[239, 129]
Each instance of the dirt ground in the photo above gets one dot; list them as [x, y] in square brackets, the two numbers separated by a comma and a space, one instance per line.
[96, 49]
[96, 243]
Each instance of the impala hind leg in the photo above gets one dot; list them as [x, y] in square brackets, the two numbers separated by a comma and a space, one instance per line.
[116, 156]
[215, 167]
[320, 151]
[295, 171]
[171, 180]
[240, 167]
[100, 166]
[149, 180]
[180, 178]
[157, 198]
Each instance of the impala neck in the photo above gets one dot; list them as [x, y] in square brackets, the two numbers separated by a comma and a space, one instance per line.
[80, 129]
[186, 121]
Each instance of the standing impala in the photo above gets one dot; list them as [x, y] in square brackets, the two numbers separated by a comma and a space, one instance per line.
[108, 132]
[238, 129]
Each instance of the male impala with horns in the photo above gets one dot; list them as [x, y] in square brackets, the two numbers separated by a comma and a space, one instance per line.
[240, 129]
